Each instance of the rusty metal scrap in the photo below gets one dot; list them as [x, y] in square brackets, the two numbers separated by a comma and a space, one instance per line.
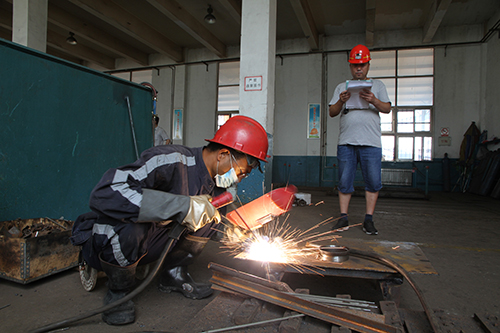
[278, 285]
[249, 285]
[32, 227]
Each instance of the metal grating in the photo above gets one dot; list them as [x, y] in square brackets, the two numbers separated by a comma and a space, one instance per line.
[399, 177]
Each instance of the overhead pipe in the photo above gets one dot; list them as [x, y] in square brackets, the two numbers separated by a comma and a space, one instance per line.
[495, 27]
[154, 92]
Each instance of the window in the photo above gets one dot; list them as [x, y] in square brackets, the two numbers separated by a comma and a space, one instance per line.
[409, 78]
[228, 102]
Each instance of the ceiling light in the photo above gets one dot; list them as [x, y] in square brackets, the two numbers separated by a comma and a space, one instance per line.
[71, 40]
[209, 18]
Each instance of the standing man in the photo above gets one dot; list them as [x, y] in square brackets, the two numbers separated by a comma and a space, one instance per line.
[161, 136]
[135, 206]
[360, 139]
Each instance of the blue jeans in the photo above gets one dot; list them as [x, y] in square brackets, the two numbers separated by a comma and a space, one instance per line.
[370, 160]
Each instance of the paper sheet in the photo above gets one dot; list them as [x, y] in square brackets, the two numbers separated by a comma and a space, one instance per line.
[354, 87]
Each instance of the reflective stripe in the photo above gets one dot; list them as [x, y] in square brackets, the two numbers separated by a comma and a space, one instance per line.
[117, 251]
[121, 176]
[103, 229]
[108, 231]
[131, 195]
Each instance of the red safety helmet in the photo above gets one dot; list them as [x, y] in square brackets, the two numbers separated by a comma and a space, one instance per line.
[359, 55]
[244, 134]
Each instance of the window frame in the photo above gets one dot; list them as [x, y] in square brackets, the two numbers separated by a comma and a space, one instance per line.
[397, 108]
[219, 112]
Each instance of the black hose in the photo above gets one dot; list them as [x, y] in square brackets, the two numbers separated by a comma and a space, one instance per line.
[174, 234]
[387, 262]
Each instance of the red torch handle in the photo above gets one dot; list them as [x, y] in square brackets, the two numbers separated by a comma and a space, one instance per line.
[222, 199]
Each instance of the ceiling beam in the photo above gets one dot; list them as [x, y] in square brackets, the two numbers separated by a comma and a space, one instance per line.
[371, 6]
[58, 42]
[82, 29]
[306, 20]
[233, 8]
[6, 20]
[434, 19]
[5, 34]
[180, 16]
[56, 53]
[119, 18]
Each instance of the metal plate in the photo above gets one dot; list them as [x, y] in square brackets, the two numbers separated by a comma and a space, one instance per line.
[408, 255]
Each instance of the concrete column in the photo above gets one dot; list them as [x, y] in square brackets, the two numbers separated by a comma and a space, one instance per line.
[164, 81]
[179, 101]
[257, 81]
[29, 23]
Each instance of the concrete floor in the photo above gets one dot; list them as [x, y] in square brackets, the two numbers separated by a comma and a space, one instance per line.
[459, 234]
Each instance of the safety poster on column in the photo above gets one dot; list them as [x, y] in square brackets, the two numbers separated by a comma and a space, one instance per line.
[314, 125]
[177, 124]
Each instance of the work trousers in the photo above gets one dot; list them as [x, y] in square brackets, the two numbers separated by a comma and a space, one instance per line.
[124, 244]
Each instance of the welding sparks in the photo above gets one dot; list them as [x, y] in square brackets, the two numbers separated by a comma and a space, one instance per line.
[267, 250]
[274, 243]
[277, 242]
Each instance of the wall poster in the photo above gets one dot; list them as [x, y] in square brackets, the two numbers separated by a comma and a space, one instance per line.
[314, 124]
[177, 130]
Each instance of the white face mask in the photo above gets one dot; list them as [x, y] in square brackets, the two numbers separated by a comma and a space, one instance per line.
[227, 179]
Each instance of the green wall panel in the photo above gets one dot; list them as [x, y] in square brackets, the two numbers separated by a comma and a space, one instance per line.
[61, 127]
[312, 171]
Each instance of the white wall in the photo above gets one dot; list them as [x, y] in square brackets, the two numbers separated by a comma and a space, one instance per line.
[457, 94]
[162, 81]
[337, 71]
[492, 87]
[201, 97]
[465, 88]
[298, 83]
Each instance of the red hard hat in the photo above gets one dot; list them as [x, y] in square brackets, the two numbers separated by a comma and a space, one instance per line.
[359, 55]
[244, 134]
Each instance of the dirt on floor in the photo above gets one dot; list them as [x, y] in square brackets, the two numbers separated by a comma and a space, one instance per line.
[457, 232]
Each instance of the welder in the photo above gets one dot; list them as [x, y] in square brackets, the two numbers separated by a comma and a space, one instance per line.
[133, 208]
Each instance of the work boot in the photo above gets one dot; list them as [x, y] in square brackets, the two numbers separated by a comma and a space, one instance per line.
[175, 277]
[369, 228]
[342, 224]
[121, 280]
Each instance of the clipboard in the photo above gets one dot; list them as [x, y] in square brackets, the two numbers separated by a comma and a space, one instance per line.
[354, 87]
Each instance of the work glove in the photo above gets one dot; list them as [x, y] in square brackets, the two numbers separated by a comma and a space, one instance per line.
[201, 212]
